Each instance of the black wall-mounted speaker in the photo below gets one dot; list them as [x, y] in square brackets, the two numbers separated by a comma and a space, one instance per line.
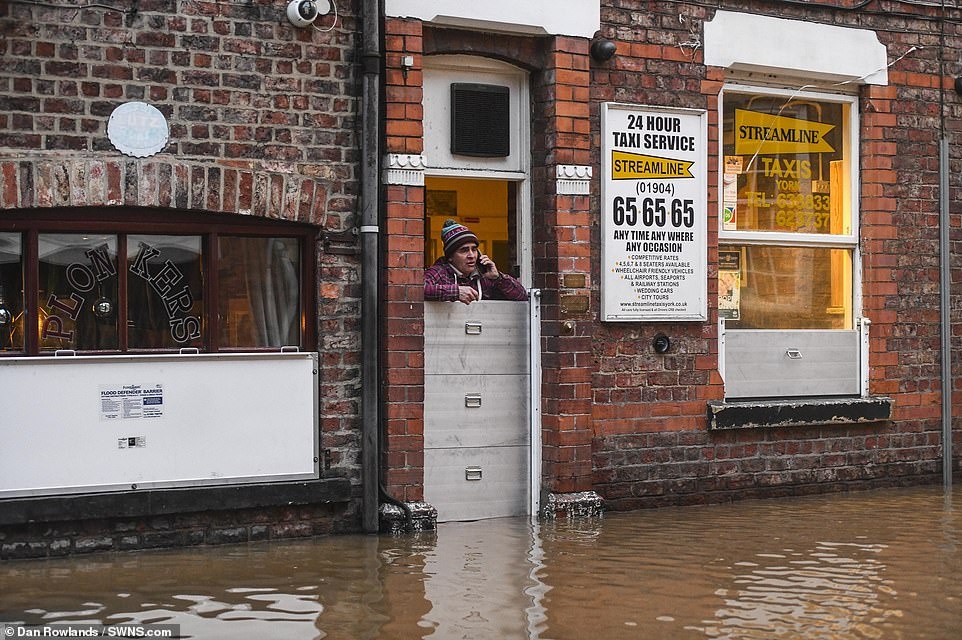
[480, 120]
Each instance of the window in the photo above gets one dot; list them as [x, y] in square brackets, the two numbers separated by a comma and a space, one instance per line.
[259, 290]
[11, 292]
[122, 284]
[76, 292]
[165, 292]
[788, 247]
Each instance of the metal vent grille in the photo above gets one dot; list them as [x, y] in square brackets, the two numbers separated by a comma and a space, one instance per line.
[480, 115]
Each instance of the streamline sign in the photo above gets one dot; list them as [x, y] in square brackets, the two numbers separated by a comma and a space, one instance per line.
[766, 134]
[654, 213]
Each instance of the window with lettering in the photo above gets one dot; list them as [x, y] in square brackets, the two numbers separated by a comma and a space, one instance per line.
[787, 242]
[165, 292]
[788, 291]
[126, 285]
[77, 291]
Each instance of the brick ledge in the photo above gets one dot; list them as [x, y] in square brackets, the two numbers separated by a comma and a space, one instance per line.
[771, 414]
[157, 502]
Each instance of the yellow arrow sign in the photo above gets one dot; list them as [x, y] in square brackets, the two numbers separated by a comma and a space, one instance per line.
[635, 166]
[769, 134]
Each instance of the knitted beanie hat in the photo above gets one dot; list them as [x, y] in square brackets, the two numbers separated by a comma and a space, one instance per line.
[453, 235]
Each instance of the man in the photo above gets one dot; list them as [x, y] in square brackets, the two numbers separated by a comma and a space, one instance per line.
[464, 274]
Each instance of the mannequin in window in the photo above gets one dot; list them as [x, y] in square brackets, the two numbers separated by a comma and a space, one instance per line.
[464, 274]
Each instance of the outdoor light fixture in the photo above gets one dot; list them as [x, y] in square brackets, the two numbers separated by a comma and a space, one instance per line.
[603, 49]
[661, 343]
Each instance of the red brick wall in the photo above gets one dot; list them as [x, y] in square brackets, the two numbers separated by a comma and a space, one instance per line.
[563, 250]
[402, 335]
[264, 121]
[651, 445]
[632, 424]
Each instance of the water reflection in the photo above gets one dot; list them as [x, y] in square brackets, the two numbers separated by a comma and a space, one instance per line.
[885, 564]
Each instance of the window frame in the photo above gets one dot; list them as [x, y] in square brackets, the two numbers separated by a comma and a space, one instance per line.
[848, 241]
[852, 139]
[790, 239]
[130, 221]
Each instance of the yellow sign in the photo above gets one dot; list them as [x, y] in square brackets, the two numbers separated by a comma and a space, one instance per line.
[635, 166]
[769, 134]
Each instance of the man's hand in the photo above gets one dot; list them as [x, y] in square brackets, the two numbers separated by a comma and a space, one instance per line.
[467, 295]
[492, 273]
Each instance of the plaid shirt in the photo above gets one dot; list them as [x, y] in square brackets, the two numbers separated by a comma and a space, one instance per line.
[441, 282]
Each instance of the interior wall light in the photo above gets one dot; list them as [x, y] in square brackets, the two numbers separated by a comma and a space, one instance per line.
[602, 49]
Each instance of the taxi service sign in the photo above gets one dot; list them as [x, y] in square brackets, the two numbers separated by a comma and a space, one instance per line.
[654, 213]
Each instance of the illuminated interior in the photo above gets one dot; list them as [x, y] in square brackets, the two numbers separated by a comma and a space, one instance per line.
[487, 207]
[785, 171]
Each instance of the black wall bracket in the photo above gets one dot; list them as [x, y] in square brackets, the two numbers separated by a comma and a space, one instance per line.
[340, 242]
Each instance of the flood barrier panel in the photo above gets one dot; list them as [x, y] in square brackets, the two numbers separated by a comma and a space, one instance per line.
[477, 417]
[78, 424]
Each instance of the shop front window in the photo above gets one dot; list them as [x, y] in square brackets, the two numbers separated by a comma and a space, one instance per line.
[788, 239]
[165, 292]
[125, 285]
[11, 292]
[77, 292]
[259, 290]
[786, 180]
[773, 287]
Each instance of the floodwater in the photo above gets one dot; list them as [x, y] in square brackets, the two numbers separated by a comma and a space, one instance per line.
[882, 564]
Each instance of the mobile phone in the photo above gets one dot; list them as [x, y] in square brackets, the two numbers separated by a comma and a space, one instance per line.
[484, 267]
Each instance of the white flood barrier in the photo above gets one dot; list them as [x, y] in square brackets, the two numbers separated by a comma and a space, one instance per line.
[78, 424]
[478, 417]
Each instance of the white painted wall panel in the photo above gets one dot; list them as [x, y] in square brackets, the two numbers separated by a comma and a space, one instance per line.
[440, 72]
[794, 47]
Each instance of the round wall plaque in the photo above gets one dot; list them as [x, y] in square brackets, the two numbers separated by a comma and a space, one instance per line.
[138, 129]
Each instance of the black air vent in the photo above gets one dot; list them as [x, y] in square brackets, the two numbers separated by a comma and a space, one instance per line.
[480, 115]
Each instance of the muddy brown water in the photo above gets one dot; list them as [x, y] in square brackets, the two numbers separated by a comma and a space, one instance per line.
[881, 564]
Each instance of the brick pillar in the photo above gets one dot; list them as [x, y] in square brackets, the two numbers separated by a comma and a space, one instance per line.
[879, 258]
[562, 252]
[402, 276]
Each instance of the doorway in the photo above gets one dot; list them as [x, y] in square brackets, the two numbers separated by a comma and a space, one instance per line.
[482, 365]
[486, 206]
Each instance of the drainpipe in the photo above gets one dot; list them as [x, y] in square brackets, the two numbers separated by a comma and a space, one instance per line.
[370, 207]
[944, 308]
[945, 317]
